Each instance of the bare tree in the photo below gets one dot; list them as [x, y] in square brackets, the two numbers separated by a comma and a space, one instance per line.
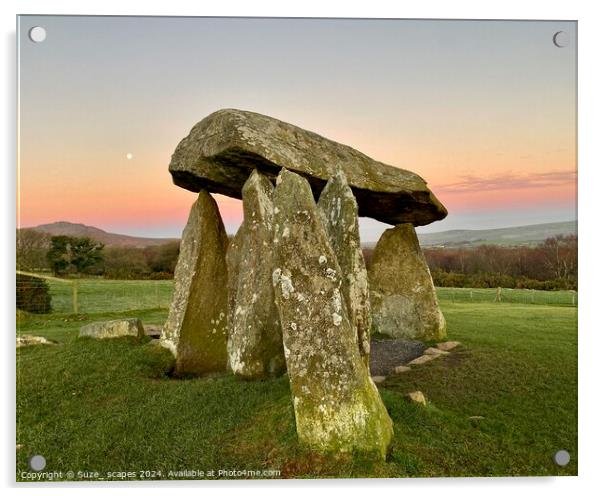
[32, 247]
[560, 256]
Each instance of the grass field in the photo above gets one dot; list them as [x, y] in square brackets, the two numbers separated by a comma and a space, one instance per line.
[111, 406]
[102, 295]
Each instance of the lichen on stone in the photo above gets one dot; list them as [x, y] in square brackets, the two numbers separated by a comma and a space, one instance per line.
[195, 330]
[337, 408]
[338, 209]
[221, 149]
[255, 338]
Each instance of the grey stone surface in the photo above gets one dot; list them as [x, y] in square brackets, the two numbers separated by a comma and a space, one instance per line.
[196, 327]
[225, 147]
[337, 406]
[113, 329]
[254, 334]
[338, 208]
[403, 297]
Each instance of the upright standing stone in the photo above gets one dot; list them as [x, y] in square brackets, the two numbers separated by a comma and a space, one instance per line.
[404, 301]
[337, 406]
[196, 327]
[339, 215]
[254, 333]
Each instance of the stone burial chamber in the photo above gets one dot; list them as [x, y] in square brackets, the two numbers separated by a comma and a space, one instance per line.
[290, 292]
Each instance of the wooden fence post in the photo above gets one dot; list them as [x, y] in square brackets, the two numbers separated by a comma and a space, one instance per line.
[74, 296]
[498, 295]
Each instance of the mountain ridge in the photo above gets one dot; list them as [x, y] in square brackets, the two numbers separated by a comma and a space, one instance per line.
[65, 228]
[517, 235]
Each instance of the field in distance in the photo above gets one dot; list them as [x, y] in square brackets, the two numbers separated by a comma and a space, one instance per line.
[105, 295]
[507, 236]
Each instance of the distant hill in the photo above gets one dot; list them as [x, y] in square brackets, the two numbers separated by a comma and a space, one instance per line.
[521, 235]
[109, 239]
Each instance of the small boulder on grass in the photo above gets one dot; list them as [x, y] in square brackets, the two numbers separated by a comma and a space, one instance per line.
[400, 369]
[28, 340]
[417, 397]
[113, 329]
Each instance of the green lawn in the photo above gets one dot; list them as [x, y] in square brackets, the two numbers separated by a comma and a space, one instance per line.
[111, 406]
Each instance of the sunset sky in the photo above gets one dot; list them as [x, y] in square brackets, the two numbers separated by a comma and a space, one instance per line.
[484, 111]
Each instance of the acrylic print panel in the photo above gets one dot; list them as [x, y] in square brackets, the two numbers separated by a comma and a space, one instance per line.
[295, 248]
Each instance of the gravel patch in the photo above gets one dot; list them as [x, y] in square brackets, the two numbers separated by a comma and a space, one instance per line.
[386, 354]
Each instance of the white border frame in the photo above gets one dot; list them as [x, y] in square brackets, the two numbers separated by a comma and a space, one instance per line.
[590, 342]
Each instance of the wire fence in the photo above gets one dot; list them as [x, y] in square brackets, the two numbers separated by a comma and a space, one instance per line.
[507, 295]
[98, 295]
[69, 296]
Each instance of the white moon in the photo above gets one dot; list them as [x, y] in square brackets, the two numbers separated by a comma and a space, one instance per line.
[129, 156]
[561, 39]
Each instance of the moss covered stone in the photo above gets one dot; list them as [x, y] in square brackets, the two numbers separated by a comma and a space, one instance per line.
[403, 297]
[338, 208]
[254, 334]
[196, 327]
[337, 406]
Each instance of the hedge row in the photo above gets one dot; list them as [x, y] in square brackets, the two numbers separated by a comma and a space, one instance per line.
[32, 294]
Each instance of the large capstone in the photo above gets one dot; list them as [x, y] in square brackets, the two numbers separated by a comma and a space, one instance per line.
[338, 208]
[403, 296]
[255, 337]
[223, 149]
[196, 327]
[337, 406]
